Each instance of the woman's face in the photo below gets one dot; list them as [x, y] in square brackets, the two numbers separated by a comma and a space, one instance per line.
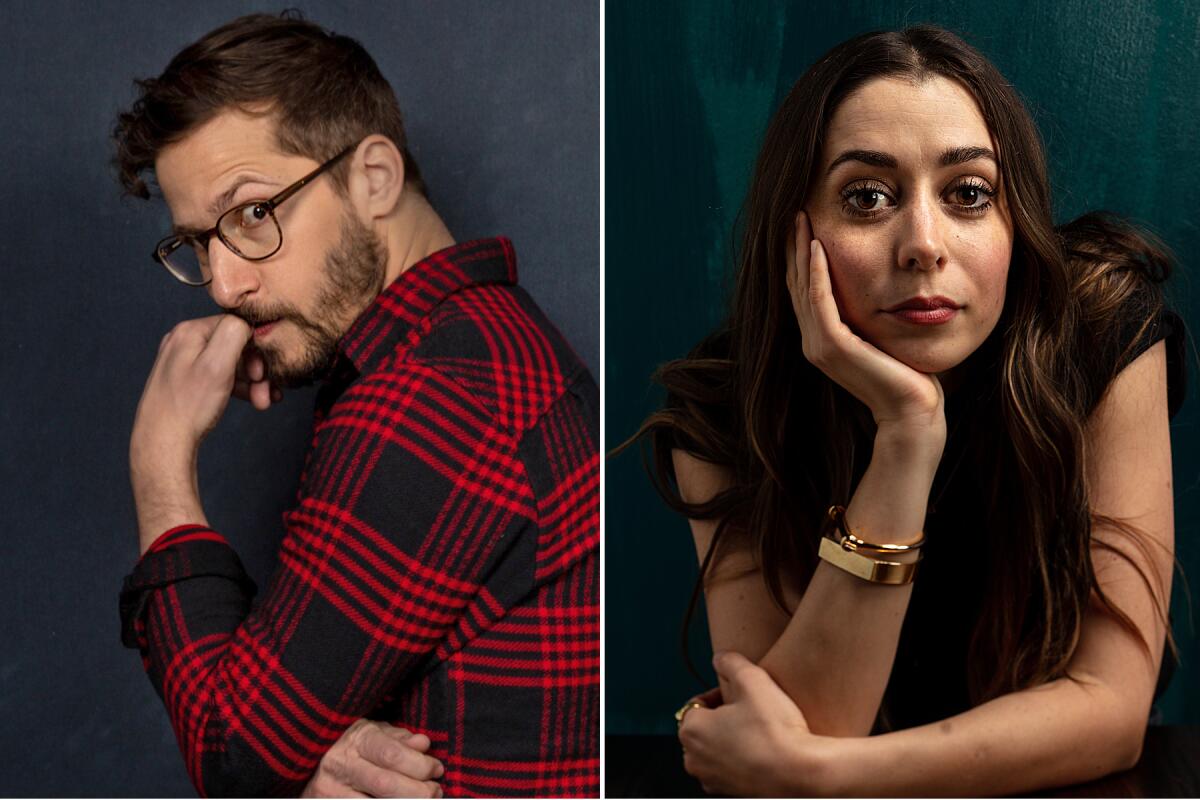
[907, 203]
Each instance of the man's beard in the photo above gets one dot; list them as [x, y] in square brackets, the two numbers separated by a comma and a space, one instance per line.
[353, 277]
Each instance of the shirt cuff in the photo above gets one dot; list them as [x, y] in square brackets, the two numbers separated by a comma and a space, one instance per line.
[183, 552]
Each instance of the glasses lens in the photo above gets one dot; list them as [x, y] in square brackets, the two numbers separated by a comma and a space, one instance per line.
[251, 229]
[186, 260]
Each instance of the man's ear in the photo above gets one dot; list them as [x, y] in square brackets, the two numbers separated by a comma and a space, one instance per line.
[376, 176]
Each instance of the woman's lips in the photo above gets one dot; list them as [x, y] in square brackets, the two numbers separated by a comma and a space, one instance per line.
[925, 311]
[925, 316]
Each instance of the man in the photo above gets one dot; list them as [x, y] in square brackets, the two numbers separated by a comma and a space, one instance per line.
[440, 568]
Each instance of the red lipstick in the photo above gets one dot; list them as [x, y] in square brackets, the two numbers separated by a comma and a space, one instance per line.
[919, 310]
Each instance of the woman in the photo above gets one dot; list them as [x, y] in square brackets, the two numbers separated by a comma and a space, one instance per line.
[913, 343]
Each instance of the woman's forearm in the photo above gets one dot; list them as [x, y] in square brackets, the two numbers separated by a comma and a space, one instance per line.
[1057, 734]
[836, 653]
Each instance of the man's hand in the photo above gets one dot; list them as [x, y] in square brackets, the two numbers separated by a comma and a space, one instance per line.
[190, 384]
[251, 382]
[757, 742]
[185, 395]
[374, 759]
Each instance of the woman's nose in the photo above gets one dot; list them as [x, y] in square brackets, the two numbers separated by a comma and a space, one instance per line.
[922, 244]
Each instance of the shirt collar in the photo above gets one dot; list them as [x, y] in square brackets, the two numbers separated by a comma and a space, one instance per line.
[419, 289]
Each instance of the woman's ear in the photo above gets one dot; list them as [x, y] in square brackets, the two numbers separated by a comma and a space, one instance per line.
[376, 176]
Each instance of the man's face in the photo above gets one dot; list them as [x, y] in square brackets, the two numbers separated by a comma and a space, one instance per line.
[329, 268]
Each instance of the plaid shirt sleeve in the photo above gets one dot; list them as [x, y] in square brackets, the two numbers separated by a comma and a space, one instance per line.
[411, 497]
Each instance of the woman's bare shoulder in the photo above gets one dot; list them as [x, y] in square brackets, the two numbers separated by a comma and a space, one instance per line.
[699, 480]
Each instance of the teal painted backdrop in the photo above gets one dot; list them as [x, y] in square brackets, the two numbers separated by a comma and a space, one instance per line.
[690, 87]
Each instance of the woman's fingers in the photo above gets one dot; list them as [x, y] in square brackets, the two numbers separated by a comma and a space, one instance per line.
[820, 291]
[798, 264]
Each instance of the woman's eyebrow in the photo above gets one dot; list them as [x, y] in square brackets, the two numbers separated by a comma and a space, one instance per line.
[875, 158]
[961, 155]
[872, 157]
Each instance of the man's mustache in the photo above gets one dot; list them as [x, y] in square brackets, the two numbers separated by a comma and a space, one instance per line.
[255, 317]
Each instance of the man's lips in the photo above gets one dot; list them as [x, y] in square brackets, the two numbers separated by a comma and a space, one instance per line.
[262, 328]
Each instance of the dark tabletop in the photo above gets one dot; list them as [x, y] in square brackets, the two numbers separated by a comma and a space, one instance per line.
[651, 766]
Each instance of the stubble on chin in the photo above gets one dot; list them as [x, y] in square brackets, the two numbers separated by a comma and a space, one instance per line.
[352, 278]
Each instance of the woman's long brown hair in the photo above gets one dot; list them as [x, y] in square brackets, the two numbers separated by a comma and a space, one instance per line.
[794, 442]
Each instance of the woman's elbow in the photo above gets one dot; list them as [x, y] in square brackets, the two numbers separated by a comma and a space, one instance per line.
[1121, 732]
[1131, 736]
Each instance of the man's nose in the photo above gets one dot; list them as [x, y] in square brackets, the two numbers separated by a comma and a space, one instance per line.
[233, 278]
[923, 243]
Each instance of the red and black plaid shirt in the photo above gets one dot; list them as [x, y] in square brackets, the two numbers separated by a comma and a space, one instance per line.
[439, 570]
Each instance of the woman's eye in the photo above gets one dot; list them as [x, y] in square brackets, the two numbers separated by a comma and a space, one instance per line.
[867, 199]
[970, 196]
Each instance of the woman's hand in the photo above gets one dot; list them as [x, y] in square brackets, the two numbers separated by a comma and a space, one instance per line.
[757, 743]
[896, 394]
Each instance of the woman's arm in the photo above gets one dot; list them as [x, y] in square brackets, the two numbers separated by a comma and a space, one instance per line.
[834, 654]
[1093, 722]
[1067, 731]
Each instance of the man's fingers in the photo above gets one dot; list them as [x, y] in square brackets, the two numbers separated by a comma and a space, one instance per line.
[260, 395]
[232, 334]
[379, 782]
[417, 741]
[255, 369]
[225, 346]
[384, 751]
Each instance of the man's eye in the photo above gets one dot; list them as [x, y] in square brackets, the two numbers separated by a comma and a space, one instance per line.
[252, 215]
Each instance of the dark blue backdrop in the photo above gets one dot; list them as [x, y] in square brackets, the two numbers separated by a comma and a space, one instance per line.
[502, 107]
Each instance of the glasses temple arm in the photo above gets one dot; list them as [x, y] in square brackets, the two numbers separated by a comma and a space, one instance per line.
[300, 184]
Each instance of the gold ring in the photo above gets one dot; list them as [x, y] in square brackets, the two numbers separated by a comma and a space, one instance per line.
[682, 712]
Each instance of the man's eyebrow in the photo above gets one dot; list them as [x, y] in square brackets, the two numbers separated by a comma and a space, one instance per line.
[951, 157]
[219, 205]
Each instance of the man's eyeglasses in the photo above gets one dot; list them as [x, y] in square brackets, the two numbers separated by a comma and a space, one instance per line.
[250, 230]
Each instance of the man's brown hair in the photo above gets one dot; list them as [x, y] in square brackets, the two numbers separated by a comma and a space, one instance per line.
[324, 90]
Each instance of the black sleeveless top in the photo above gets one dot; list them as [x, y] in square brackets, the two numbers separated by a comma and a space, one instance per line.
[928, 682]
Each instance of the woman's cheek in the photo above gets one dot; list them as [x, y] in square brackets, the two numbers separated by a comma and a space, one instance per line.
[991, 262]
[850, 272]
